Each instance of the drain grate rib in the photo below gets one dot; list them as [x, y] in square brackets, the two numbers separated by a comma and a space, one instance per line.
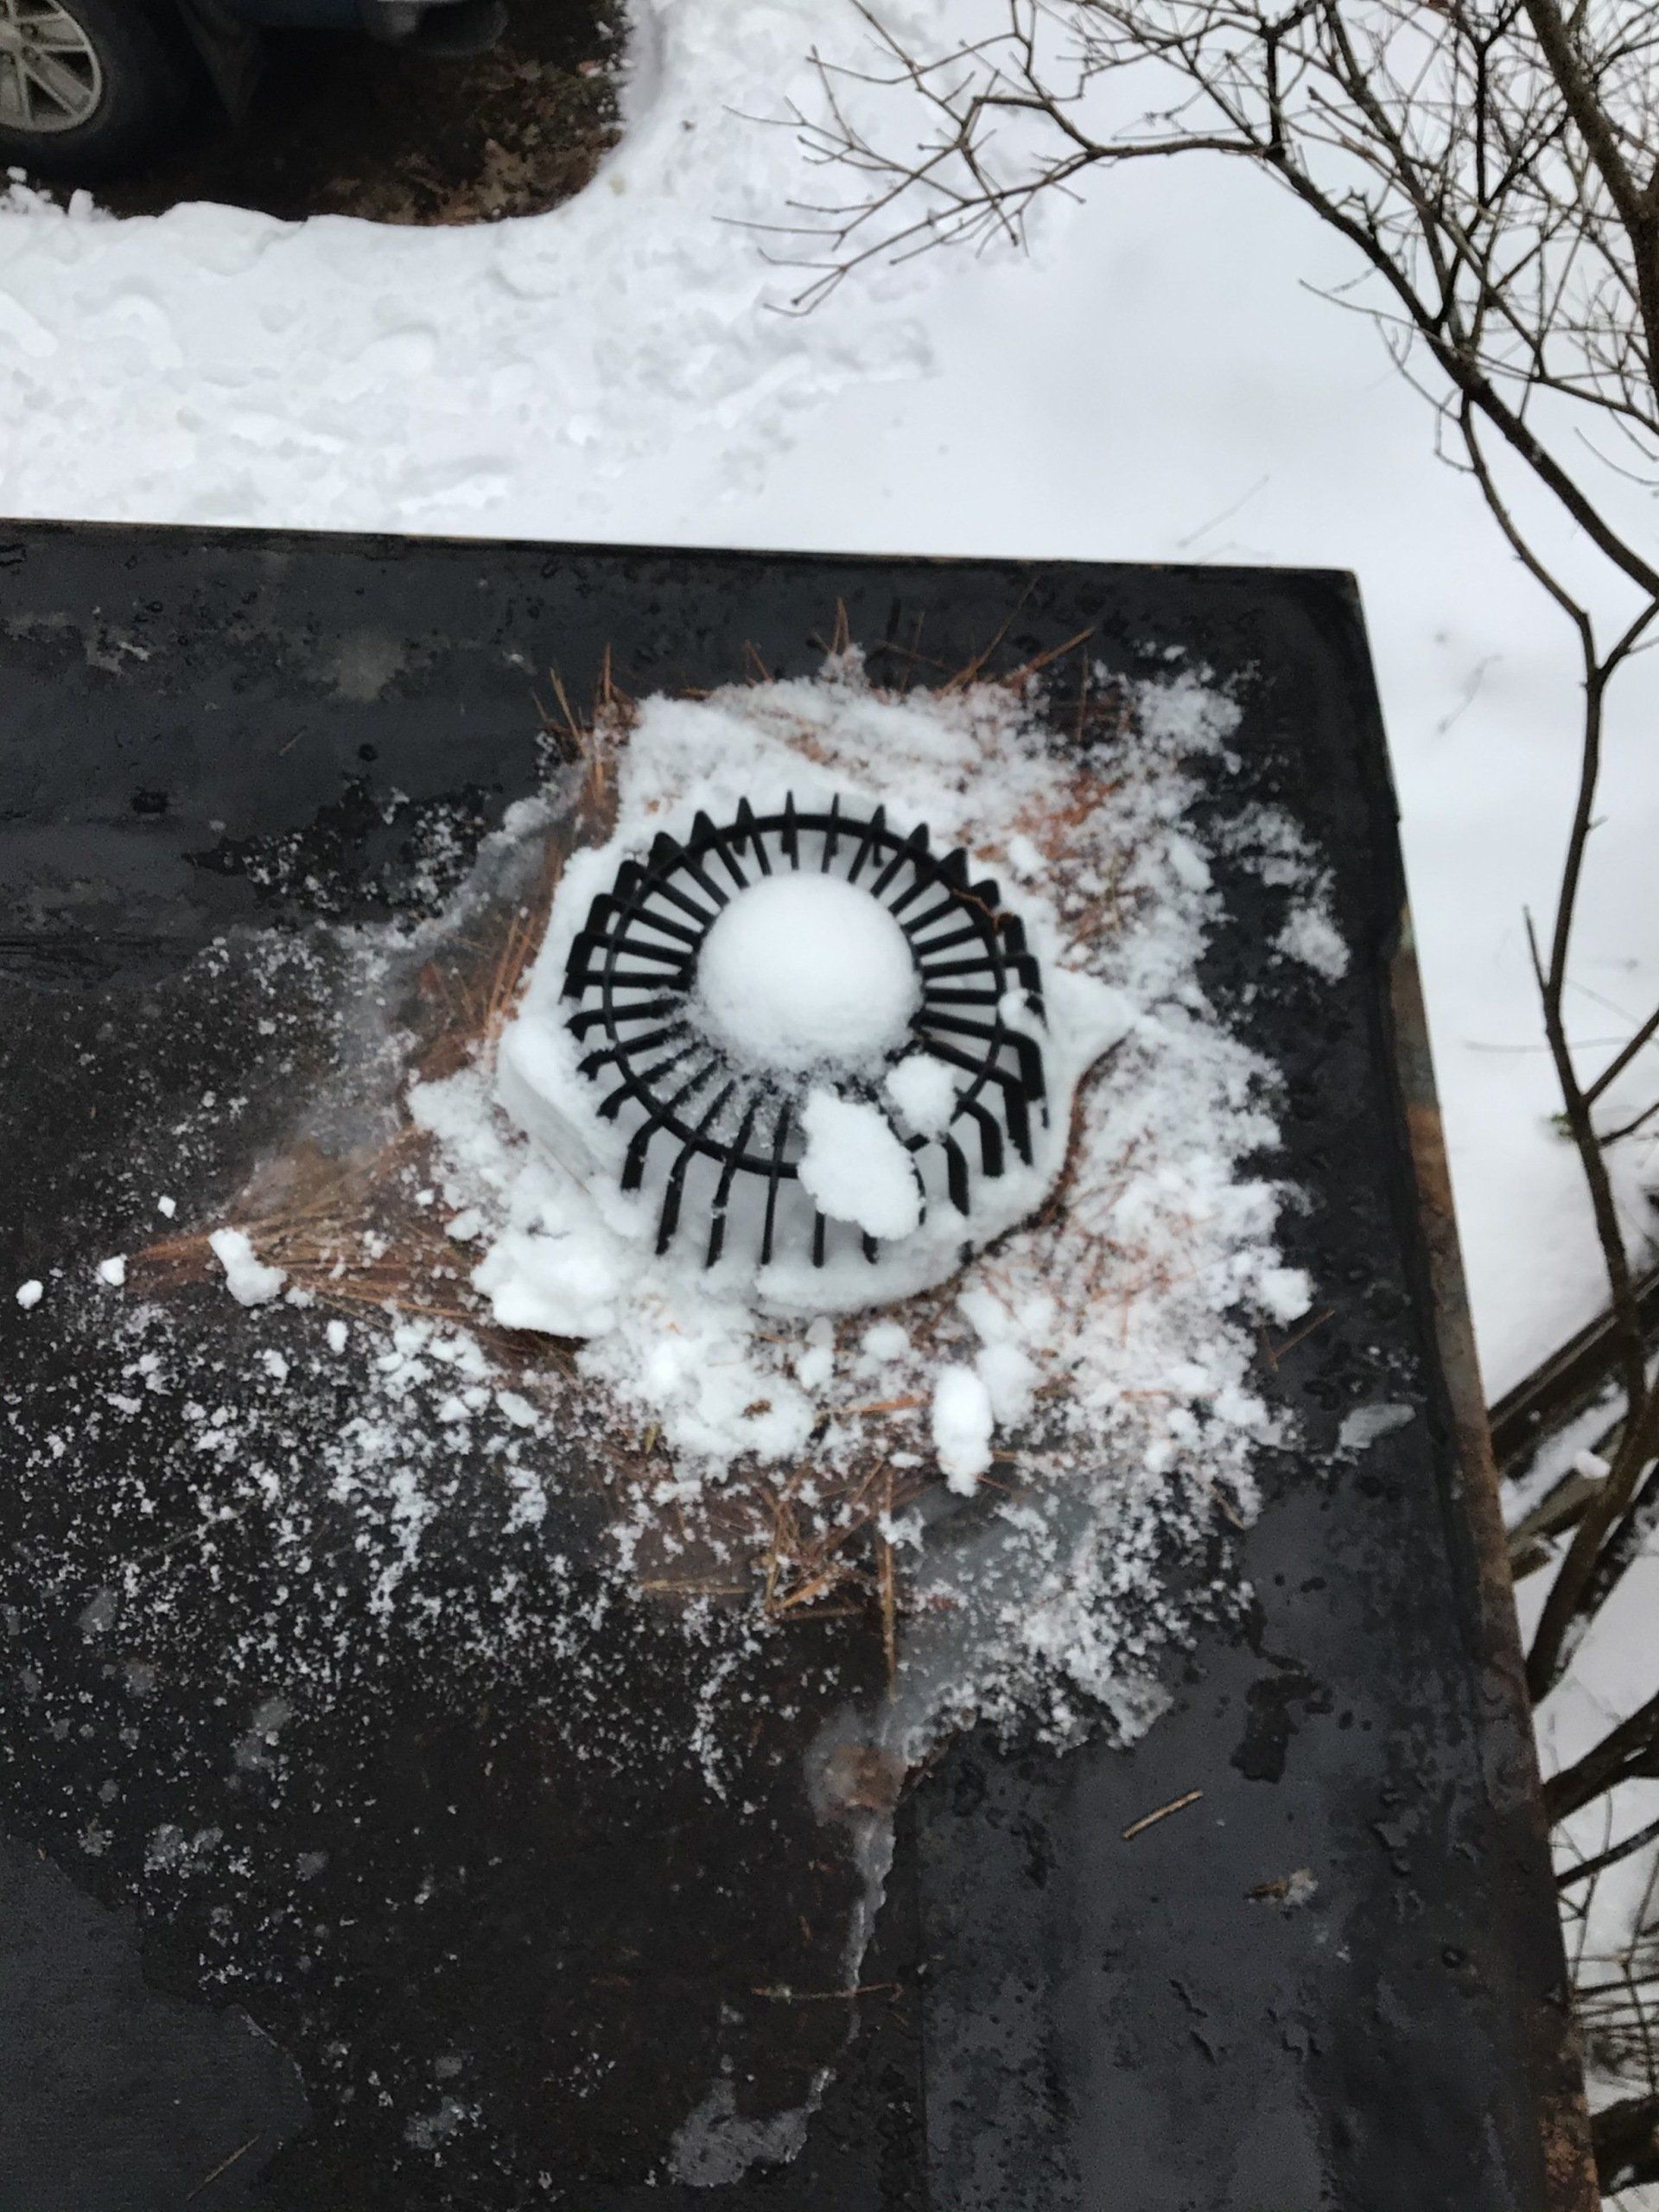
[689, 1104]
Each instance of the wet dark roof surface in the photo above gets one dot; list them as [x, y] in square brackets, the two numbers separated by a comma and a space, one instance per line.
[203, 728]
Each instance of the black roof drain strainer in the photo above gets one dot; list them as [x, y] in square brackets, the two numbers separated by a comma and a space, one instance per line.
[632, 972]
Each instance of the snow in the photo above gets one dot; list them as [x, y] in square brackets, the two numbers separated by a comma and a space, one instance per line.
[31, 1294]
[884, 1341]
[925, 1091]
[961, 1423]
[212, 366]
[802, 969]
[250, 1281]
[857, 1168]
[1003, 1364]
[816, 1364]
[555, 1278]
[226, 367]
[1362, 1429]
[1311, 937]
[113, 1271]
[1009, 1376]
[1283, 1292]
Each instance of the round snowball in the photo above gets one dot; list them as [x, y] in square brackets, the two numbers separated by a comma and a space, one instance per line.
[803, 971]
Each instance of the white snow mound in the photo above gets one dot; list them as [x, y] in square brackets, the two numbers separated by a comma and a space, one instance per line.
[802, 969]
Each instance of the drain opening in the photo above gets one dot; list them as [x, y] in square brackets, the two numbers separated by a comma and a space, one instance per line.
[714, 995]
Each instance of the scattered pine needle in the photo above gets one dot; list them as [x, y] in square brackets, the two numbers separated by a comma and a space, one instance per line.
[781, 1993]
[1151, 1820]
[223, 2167]
[889, 1599]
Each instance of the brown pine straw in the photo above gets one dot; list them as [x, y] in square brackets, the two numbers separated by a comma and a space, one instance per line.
[1151, 1820]
[348, 1232]
[889, 1594]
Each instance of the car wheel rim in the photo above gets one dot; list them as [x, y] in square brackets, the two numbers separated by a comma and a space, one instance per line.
[51, 78]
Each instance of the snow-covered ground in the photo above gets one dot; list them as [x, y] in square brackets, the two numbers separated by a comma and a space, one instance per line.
[1158, 382]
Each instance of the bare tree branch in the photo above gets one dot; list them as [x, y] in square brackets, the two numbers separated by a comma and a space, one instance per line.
[1627, 1753]
[1638, 1839]
[1626, 2139]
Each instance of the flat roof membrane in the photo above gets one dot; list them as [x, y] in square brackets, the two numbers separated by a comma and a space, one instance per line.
[424, 1781]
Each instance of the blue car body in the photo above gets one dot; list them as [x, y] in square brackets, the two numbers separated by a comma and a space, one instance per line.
[379, 16]
[396, 20]
[299, 15]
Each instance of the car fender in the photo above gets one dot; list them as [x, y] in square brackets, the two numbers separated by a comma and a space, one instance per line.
[231, 48]
[229, 41]
[399, 22]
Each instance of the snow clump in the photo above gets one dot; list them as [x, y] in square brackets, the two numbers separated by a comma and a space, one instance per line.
[802, 969]
[249, 1280]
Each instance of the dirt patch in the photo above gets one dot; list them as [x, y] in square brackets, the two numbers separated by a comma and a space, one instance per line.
[342, 126]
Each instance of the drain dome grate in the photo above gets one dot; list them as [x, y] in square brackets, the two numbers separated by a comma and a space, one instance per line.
[715, 1130]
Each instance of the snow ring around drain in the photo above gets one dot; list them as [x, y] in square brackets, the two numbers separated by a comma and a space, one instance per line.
[858, 1216]
[801, 972]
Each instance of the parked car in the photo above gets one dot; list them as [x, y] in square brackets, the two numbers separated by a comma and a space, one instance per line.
[90, 87]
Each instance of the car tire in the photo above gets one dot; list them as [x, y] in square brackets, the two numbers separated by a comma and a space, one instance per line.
[95, 94]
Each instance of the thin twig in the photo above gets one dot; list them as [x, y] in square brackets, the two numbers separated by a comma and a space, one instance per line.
[1150, 1820]
[223, 2167]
